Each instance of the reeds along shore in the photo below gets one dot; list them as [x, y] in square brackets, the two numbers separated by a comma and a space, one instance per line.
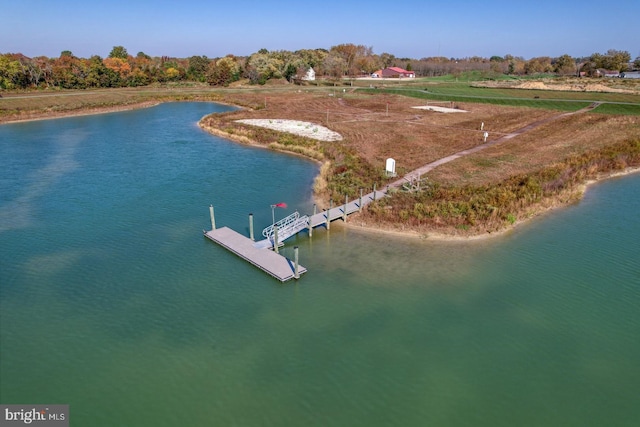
[471, 211]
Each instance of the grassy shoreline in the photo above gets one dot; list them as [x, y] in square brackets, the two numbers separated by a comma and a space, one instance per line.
[358, 223]
[453, 207]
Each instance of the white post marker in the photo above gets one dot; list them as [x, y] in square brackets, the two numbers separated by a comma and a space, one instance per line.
[485, 135]
[390, 167]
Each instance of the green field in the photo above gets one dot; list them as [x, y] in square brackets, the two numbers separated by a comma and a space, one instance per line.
[613, 103]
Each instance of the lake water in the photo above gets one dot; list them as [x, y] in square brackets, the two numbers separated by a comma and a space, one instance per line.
[112, 301]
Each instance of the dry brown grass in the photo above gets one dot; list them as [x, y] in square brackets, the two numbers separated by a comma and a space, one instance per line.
[540, 147]
[382, 126]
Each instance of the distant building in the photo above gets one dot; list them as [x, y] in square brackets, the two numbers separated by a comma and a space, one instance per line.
[394, 73]
[309, 75]
[630, 75]
[607, 73]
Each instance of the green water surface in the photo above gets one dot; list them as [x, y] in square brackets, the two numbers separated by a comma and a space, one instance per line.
[114, 303]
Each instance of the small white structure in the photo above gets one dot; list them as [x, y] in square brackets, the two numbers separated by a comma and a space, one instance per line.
[310, 75]
[390, 168]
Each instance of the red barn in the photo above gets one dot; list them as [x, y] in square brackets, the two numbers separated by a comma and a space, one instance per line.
[395, 73]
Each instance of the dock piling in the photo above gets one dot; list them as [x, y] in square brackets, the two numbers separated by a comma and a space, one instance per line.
[329, 214]
[251, 227]
[275, 238]
[374, 191]
[296, 273]
[360, 204]
[344, 211]
[213, 218]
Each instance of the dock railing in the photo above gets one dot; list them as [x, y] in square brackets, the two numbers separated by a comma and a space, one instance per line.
[287, 227]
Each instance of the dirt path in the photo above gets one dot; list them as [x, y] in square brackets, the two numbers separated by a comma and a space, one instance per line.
[430, 166]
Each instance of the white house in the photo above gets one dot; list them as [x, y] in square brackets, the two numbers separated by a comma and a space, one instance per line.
[310, 75]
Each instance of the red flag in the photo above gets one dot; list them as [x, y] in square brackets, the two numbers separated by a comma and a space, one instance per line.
[280, 205]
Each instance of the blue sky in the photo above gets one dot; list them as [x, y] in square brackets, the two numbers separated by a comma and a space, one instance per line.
[409, 28]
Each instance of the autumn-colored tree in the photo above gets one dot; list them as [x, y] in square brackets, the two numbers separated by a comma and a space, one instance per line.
[565, 65]
[65, 72]
[350, 54]
[36, 70]
[99, 75]
[119, 66]
[119, 69]
[387, 59]
[10, 70]
[143, 63]
[172, 73]
[312, 57]
[368, 64]
[538, 65]
[262, 67]
[616, 60]
[334, 65]
[498, 64]
[224, 71]
[137, 77]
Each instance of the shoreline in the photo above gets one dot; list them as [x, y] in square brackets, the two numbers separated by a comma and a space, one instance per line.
[352, 225]
[444, 237]
[82, 112]
[239, 139]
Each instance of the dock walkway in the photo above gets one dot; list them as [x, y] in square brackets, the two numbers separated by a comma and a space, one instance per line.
[260, 253]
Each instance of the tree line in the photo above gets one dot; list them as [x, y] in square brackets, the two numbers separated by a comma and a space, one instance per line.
[120, 69]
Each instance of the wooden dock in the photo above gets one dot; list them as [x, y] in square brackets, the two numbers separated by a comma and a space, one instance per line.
[268, 261]
[261, 254]
[340, 211]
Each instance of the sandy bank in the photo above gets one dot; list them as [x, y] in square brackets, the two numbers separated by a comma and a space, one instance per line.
[297, 127]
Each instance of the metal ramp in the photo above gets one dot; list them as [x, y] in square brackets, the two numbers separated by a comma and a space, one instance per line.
[287, 227]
